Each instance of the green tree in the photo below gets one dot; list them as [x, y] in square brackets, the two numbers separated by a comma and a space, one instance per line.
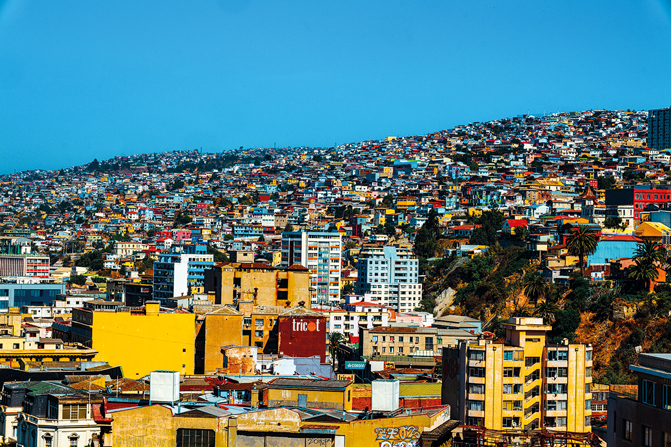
[491, 221]
[218, 255]
[546, 310]
[647, 257]
[582, 242]
[535, 287]
[80, 280]
[335, 338]
[606, 182]
[612, 222]
[426, 240]
[388, 201]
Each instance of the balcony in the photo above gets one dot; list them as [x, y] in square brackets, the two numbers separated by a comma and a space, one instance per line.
[532, 393]
[532, 410]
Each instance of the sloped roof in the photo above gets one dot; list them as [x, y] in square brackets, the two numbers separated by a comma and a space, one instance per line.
[301, 312]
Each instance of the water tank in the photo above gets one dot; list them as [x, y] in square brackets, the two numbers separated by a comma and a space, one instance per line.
[164, 387]
[385, 395]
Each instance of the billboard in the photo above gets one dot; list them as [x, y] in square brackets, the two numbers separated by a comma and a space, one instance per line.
[302, 336]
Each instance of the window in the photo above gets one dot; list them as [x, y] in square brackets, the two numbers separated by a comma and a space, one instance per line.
[588, 404]
[555, 355]
[188, 437]
[510, 422]
[588, 355]
[507, 355]
[475, 405]
[258, 334]
[476, 388]
[74, 412]
[556, 405]
[476, 372]
[509, 388]
[391, 349]
[648, 395]
[400, 350]
[646, 436]
[666, 397]
[555, 388]
[511, 372]
[476, 355]
[258, 322]
[628, 428]
[667, 440]
[73, 441]
[400, 339]
[47, 441]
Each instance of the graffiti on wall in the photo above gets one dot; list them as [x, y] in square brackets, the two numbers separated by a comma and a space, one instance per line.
[405, 436]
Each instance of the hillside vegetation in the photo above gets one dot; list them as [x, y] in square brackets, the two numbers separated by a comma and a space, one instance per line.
[503, 283]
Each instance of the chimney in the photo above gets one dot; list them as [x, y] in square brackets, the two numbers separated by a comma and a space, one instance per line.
[152, 307]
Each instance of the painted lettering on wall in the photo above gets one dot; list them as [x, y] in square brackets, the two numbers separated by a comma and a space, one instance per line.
[405, 436]
[305, 326]
[321, 442]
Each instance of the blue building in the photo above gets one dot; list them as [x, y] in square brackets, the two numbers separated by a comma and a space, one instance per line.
[613, 247]
[17, 295]
[182, 271]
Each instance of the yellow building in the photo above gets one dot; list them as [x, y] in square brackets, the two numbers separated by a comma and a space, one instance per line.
[156, 426]
[261, 283]
[524, 383]
[140, 340]
[222, 327]
[655, 232]
[309, 393]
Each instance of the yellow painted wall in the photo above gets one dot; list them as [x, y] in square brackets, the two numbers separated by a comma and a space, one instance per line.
[155, 426]
[145, 343]
[220, 330]
[325, 399]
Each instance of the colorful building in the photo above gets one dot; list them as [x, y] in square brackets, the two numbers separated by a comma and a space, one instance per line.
[524, 383]
[140, 340]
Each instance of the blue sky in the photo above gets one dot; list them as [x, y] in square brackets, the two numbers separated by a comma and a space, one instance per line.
[87, 79]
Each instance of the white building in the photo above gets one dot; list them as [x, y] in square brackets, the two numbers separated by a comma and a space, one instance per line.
[390, 276]
[320, 252]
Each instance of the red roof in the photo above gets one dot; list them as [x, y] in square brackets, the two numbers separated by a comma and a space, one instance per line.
[517, 222]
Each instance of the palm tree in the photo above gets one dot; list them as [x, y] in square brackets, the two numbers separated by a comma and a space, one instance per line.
[650, 252]
[534, 286]
[582, 242]
[644, 271]
[546, 310]
[335, 338]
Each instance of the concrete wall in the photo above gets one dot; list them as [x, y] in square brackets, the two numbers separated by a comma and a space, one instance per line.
[145, 343]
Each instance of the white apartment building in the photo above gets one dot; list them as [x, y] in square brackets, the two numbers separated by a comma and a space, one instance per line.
[321, 253]
[390, 276]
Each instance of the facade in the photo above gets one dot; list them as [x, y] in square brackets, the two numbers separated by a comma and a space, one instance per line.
[302, 333]
[222, 327]
[182, 271]
[140, 340]
[261, 283]
[390, 275]
[16, 294]
[320, 252]
[643, 420]
[640, 197]
[310, 393]
[30, 265]
[68, 420]
[524, 383]
[403, 341]
[659, 128]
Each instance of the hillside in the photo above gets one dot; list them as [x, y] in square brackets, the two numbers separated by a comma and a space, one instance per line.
[614, 319]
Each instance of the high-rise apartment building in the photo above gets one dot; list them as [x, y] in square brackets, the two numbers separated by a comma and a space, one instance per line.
[181, 272]
[643, 419]
[320, 252]
[24, 265]
[659, 128]
[524, 383]
[389, 275]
